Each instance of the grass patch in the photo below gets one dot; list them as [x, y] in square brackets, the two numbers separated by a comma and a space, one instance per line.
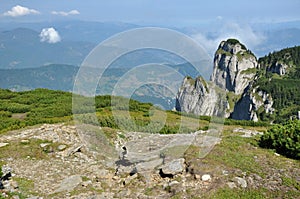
[226, 193]
[290, 182]
[25, 187]
[30, 149]
[235, 152]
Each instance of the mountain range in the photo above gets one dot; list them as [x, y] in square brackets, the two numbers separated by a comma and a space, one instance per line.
[21, 46]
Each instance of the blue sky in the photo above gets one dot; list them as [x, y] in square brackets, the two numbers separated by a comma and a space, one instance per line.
[155, 12]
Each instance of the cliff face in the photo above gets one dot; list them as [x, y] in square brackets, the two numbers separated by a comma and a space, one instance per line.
[196, 96]
[250, 104]
[233, 66]
[234, 73]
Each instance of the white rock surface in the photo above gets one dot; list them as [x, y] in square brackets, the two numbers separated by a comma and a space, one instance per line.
[206, 177]
[198, 97]
[231, 67]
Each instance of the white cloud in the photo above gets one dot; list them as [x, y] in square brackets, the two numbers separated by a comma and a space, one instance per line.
[18, 11]
[50, 35]
[243, 33]
[62, 13]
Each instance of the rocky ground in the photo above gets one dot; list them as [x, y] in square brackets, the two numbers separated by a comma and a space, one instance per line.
[60, 161]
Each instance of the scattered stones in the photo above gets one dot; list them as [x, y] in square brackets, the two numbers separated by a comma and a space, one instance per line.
[3, 144]
[241, 182]
[206, 177]
[247, 132]
[141, 178]
[69, 183]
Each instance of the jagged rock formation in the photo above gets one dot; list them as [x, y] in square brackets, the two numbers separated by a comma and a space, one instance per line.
[234, 73]
[198, 97]
[233, 66]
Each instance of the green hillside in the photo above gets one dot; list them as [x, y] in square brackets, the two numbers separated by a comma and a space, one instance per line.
[27, 108]
[284, 89]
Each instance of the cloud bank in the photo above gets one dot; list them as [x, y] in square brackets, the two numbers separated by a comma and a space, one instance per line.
[244, 33]
[50, 35]
[18, 11]
[62, 13]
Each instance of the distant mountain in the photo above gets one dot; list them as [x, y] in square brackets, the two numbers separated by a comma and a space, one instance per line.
[61, 77]
[22, 48]
[20, 45]
[86, 31]
[56, 77]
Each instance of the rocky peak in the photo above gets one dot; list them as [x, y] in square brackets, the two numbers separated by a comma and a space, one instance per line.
[232, 46]
[234, 66]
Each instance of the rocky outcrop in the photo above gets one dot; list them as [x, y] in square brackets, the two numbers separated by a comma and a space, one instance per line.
[247, 107]
[234, 66]
[279, 68]
[198, 97]
[234, 74]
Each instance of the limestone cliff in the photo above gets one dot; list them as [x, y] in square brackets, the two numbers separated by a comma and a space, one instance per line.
[251, 103]
[198, 97]
[234, 66]
[234, 73]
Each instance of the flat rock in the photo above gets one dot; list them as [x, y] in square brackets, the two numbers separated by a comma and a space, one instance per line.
[69, 183]
[62, 147]
[174, 167]
[146, 166]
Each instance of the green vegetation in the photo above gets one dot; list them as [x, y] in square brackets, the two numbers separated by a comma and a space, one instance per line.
[249, 71]
[288, 56]
[21, 109]
[223, 52]
[285, 139]
[234, 42]
[285, 90]
[286, 97]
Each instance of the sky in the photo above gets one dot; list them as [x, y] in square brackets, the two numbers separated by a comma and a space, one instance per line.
[152, 12]
[208, 22]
